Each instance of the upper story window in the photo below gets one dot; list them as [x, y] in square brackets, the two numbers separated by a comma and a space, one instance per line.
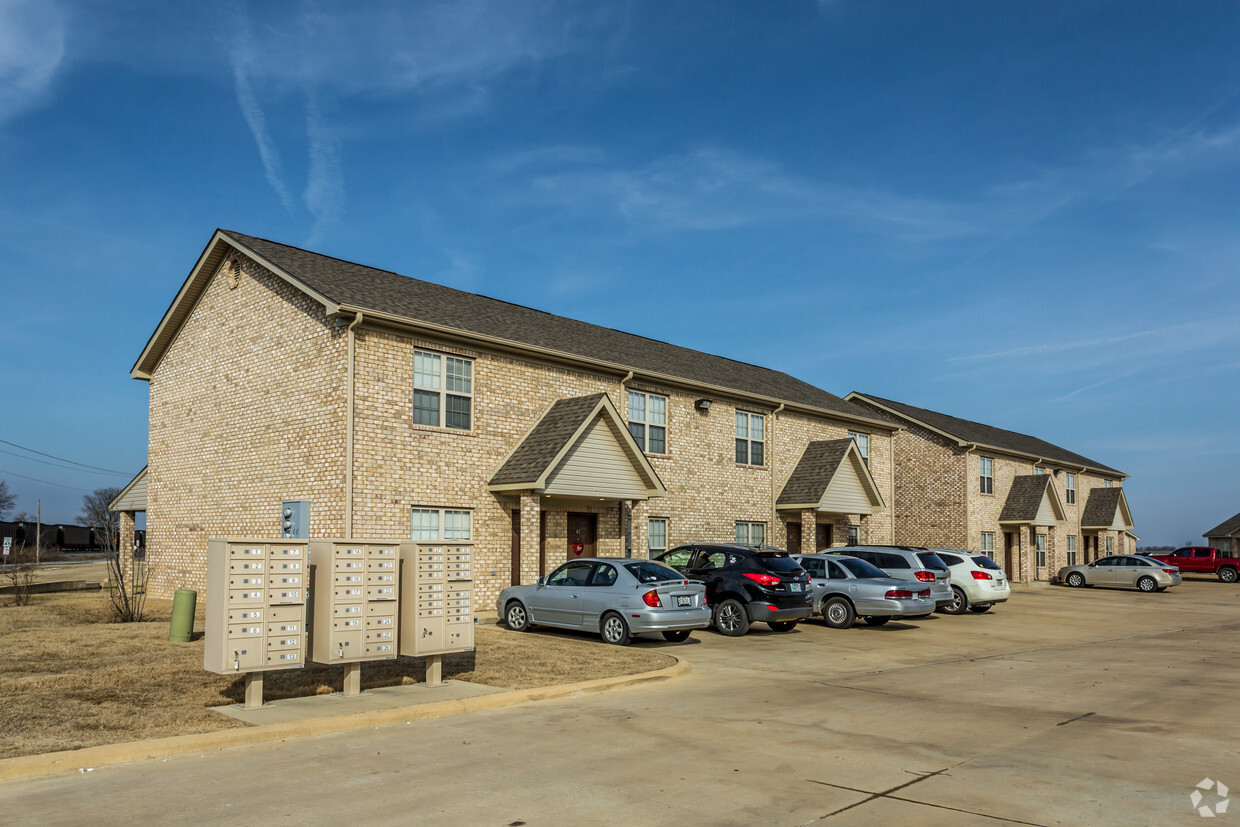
[863, 445]
[1069, 488]
[1106, 483]
[1039, 470]
[750, 438]
[443, 390]
[987, 475]
[446, 524]
[648, 421]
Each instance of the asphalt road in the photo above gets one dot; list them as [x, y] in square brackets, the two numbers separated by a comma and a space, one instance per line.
[1061, 707]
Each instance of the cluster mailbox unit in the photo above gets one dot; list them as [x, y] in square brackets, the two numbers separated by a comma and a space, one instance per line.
[369, 600]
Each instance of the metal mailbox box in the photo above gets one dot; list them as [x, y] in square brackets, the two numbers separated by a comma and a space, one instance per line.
[438, 616]
[348, 600]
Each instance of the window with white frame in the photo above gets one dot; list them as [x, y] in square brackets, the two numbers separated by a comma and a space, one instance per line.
[1110, 545]
[750, 534]
[863, 445]
[1071, 549]
[657, 533]
[1039, 470]
[1069, 488]
[750, 438]
[648, 421]
[1106, 483]
[443, 390]
[1040, 540]
[986, 474]
[854, 535]
[441, 524]
[988, 543]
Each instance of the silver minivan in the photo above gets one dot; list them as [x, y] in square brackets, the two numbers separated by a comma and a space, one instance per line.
[919, 565]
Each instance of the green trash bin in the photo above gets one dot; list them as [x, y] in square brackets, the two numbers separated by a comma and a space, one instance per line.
[182, 629]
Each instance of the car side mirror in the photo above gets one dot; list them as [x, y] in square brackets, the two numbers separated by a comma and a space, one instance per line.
[542, 581]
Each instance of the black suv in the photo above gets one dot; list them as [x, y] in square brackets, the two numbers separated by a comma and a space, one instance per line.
[746, 583]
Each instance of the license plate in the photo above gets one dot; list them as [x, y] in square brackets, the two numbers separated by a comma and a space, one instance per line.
[684, 600]
[795, 587]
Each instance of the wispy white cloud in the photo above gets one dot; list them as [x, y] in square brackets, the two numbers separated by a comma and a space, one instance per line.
[32, 48]
[324, 195]
[242, 58]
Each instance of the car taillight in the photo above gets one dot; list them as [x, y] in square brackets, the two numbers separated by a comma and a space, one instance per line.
[925, 576]
[651, 599]
[924, 593]
[981, 575]
[897, 594]
[1170, 571]
[762, 579]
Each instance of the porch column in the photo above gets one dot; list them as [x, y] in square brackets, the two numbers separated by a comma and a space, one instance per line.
[531, 507]
[809, 530]
[124, 541]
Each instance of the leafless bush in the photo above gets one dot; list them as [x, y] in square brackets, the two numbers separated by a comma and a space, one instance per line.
[20, 574]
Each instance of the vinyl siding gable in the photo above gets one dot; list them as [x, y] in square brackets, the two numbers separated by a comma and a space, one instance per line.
[596, 466]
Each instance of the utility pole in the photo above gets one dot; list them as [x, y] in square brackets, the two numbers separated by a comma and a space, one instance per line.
[38, 529]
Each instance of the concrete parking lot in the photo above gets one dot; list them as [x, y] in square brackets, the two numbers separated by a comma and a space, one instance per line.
[1061, 707]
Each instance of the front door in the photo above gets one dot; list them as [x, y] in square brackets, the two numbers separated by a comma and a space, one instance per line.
[794, 538]
[1009, 555]
[822, 536]
[582, 535]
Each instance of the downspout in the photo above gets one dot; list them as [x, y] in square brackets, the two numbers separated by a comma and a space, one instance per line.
[771, 452]
[348, 437]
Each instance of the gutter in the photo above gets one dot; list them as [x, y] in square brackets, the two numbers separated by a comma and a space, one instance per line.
[774, 502]
[348, 437]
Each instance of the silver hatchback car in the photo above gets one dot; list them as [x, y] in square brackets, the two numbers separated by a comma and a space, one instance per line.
[1133, 570]
[919, 565]
[617, 598]
[846, 588]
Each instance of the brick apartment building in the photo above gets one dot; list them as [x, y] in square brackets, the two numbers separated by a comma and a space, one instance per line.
[358, 402]
[1033, 506]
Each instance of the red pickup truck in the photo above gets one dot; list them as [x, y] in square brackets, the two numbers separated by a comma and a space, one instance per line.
[1203, 560]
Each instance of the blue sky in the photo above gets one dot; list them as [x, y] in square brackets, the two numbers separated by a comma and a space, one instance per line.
[1020, 213]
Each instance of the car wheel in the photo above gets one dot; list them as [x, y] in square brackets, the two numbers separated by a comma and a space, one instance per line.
[1228, 575]
[614, 630]
[838, 613]
[731, 619]
[980, 608]
[959, 602]
[1147, 584]
[678, 636]
[1075, 580]
[783, 625]
[876, 621]
[516, 617]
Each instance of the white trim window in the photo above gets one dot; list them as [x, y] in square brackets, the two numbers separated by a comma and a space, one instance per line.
[1110, 545]
[648, 421]
[443, 390]
[854, 535]
[1069, 491]
[986, 474]
[750, 534]
[657, 535]
[863, 445]
[1106, 483]
[1071, 549]
[988, 543]
[1040, 542]
[1039, 470]
[441, 524]
[750, 439]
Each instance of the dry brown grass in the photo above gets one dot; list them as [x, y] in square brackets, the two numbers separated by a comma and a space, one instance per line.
[71, 679]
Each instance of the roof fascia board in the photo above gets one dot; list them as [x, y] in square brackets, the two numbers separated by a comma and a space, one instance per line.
[960, 442]
[331, 307]
[378, 318]
[129, 485]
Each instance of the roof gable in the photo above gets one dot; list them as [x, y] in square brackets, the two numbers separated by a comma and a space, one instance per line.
[1106, 508]
[1032, 500]
[832, 477]
[133, 495]
[985, 436]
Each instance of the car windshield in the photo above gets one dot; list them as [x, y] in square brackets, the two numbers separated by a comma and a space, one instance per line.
[861, 568]
[984, 562]
[777, 561]
[932, 561]
[650, 572]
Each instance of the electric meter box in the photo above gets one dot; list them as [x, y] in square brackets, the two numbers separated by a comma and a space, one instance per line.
[356, 601]
[256, 605]
[438, 616]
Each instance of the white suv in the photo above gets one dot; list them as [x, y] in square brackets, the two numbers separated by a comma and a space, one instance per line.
[977, 581]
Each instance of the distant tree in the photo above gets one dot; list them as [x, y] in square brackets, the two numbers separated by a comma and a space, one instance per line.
[95, 514]
[7, 500]
[23, 517]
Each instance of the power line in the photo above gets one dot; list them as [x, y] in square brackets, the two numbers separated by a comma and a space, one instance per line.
[45, 482]
[62, 459]
[58, 465]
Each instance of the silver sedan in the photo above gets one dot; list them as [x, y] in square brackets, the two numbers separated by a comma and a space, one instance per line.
[617, 598]
[846, 588]
[1132, 570]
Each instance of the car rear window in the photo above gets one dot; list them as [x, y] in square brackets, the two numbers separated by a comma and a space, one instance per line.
[985, 562]
[776, 561]
[891, 561]
[861, 568]
[931, 561]
[650, 572]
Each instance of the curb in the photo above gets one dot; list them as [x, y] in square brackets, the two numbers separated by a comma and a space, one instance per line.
[107, 755]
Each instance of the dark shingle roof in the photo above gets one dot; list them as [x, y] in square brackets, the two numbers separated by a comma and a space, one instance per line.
[975, 432]
[1100, 507]
[1025, 498]
[814, 471]
[1225, 528]
[540, 447]
[382, 291]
